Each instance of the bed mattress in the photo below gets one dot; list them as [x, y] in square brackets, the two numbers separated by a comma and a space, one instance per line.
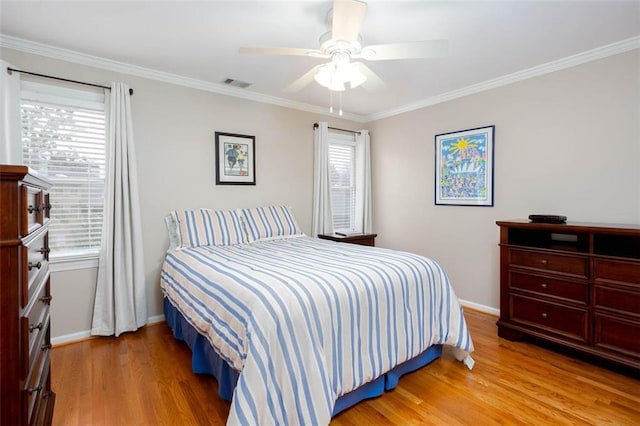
[305, 321]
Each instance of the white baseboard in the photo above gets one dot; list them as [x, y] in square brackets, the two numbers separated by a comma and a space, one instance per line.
[71, 338]
[84, 335]
[481, 308]
[155, 319]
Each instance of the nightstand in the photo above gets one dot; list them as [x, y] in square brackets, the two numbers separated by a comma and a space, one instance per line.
[362, 239]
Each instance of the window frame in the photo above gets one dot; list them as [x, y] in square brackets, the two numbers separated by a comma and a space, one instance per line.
[346, 140]
[62, 96]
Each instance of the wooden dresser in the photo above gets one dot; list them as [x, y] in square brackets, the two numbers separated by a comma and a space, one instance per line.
[25, 380]
[361, 239]
[576, 285]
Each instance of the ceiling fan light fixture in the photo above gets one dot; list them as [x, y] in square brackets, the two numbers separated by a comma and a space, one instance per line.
[327, 76]
[356, 78]
[324, 76]
[336, 85]
[337, 73]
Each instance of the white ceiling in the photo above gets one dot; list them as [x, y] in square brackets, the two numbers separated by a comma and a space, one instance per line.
[200, 40]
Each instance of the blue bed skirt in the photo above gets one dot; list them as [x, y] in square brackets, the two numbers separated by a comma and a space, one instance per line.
[205, 360]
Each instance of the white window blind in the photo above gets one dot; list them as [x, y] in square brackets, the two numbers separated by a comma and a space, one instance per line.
[63, 136]
[343, 188]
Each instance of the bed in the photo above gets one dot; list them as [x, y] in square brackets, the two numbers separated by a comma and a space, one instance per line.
[296, 329]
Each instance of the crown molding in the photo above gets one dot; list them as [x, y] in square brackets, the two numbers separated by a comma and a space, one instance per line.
[27, 46]
[568, 62]
[41, 49]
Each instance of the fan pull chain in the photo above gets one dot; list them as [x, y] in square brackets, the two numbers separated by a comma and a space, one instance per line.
[330, 102]
[340, 101]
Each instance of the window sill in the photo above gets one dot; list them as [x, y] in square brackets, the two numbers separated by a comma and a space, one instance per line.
[73, 263]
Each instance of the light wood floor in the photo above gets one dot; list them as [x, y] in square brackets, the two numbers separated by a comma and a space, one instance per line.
[145, 378]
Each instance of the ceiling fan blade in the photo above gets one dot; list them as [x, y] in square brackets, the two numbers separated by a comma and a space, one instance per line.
[348, 16]
[373, 83]
[418, 49]
[303, 81]
[282, 51]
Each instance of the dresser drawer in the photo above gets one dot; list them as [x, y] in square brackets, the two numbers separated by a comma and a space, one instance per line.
[38, 385]
[618, 300]
[35, 261]
[34, 327]
[564, 264]
[550, 287]
[618, 334]
[560, 319]
[616, 271]
[30, 209]
[43, 410]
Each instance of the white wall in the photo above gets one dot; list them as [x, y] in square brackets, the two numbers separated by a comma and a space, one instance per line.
[174, 133]
[565, 143]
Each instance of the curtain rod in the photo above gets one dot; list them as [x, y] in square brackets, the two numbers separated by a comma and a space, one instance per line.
[10, 70]
[315, 126]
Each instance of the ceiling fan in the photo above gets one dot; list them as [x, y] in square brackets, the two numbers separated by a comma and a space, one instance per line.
[342, 43]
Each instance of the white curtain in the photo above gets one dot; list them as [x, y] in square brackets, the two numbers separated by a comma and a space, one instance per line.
[322, 218]
[363, 182]
[10, 133]
[120, 303]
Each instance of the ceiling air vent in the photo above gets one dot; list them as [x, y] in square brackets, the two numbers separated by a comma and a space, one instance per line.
[236, 83]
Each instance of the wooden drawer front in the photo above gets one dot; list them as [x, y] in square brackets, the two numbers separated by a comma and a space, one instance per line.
[549, 286]
[614, 271]
[37, 385]
[617, 334]
[35, 261]
[30, 208]
[34, 327]
[627, 302]
[561, 319]
[570, 265]
[44, 409]
[364, 241]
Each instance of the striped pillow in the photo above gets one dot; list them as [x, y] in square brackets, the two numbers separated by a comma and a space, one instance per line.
[206, 227]
[266, 223]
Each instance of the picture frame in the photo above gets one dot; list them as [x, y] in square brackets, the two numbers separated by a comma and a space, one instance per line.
[464, 172]
[235, 159]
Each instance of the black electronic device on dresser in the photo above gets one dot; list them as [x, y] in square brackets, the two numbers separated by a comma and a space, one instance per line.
[26, 397]
[576, 285]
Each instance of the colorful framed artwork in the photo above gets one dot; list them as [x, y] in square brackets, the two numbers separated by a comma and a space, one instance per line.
[464, 167]
[235, 159]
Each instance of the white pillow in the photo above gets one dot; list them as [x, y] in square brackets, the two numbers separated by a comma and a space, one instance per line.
[267, 223]
[206, 227]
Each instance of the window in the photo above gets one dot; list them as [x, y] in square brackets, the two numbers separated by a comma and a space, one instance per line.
[342, 155]
[63, 136]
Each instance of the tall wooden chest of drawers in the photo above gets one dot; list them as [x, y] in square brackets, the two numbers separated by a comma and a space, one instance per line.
[26, 397]
[576, 285]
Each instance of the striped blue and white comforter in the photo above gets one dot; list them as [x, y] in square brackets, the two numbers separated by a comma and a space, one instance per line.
[308, 320]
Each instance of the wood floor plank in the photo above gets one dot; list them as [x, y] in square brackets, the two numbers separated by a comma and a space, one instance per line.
[145, 378]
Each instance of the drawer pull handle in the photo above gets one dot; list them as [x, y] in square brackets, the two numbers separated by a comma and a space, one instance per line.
[33, 327]
[32, 209]
[44, 250]
[543, 285]
[544, 261]
[544, 315]
[45, 346]
[34, 265]
[36, 389]
[46, 300]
